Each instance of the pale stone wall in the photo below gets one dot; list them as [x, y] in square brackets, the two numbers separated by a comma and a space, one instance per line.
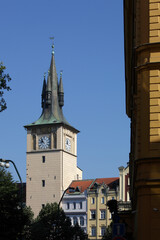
[38, 171]
[58, 170]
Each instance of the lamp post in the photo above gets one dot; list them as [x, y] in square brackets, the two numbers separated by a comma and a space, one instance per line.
[5, 163]
[69, 188]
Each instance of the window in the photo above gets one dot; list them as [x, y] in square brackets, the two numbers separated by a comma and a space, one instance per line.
[103, 190]
[81, 221]
[68, 205]
[102, 200]
[93, 231]
[34, 142]
[128, 181]
[43, 183]
[75, 221]
[92, 200]
[103, 230]
[43, 159]
[80, 205]
[103, 214]
[55, 140]
[74, 205]
[93, 214]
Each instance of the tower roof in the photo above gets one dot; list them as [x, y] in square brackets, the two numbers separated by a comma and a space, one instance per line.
[51, 93]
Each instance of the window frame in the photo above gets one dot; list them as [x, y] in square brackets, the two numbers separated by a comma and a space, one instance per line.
[93, 214]
[75, 220]
[74, 205]
[43, 183]
[102, 200]
[103, 230]
[103, 214]
[92, 200]
[93, 231]
[82, 221]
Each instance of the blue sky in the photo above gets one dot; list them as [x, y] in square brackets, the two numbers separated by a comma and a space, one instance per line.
[89, 48]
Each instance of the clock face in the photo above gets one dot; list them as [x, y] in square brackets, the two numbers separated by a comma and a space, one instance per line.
[44, 142]
[68, 144]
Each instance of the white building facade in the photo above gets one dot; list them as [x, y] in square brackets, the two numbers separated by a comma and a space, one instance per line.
[75, 207]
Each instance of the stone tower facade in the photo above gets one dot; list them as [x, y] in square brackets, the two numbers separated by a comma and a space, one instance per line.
[51, 147]
[142, 72]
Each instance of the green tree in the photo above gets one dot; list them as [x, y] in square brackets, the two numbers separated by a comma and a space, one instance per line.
[4, 79]
[12, 218]
[53, 224]
[108, 233]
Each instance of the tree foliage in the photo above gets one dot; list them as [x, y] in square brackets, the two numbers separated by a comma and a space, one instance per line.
[108, 233]
[53, 224]
[13, 219]
[4, 79]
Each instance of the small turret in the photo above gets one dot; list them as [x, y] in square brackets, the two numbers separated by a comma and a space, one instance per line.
[43, 102]
[48, 90]
[60, 92]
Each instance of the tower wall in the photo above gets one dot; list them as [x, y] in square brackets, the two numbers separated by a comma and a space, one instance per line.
[37, 171]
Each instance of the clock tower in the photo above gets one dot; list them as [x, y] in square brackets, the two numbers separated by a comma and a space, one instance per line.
[51, 147]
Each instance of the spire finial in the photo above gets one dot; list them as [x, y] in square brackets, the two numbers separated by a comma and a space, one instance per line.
[44, 75]
[61, 71]
[52, 38]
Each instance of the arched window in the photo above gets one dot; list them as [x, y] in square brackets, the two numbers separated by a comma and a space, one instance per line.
[81, 221]
[75, 221]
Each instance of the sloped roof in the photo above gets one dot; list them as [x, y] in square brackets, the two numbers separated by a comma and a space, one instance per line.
[106, 181]
[82, 185]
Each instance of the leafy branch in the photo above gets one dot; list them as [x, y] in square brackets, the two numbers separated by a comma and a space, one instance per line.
[4, 79]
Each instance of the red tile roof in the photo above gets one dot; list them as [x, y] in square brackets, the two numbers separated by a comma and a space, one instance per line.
[106, 180]
[85, 184]
[81, 184]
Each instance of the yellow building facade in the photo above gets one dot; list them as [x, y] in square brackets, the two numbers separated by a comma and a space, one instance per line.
[98, 215]
[142, 75]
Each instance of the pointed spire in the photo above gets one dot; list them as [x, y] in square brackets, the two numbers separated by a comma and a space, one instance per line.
[43, 92]
[61, 92]
[52, 98]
